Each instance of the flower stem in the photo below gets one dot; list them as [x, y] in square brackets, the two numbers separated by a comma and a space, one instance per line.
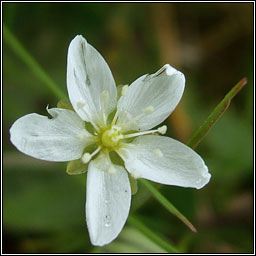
[22, 53]
[193, 142]
[167, 204]
[168, 247]
[216, 114]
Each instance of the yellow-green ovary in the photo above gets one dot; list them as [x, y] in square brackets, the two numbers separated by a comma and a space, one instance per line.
[111, 137]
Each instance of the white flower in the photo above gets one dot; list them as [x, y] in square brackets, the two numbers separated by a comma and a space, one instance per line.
[121, 123]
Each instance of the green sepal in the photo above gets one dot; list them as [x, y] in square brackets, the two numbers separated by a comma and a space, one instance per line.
[133, 184]
[65, 104]
[76, 167]
[111, 116]
[116, 159]
[89, 127]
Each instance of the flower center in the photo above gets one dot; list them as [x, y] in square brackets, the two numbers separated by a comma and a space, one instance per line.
[111, 137]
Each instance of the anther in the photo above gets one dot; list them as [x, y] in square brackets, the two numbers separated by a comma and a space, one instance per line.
[162, 129]
[86, 158]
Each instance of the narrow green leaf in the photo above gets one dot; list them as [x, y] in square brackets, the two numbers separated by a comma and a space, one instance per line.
[193, 142]
[21, 52]
[216, 114]
[168, 247]
[167, 204]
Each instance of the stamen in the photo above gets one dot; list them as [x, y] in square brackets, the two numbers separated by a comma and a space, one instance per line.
[87, 156]
[161, 130]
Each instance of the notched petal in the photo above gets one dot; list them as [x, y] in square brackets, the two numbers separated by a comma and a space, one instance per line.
[52, 139]
[160, 92]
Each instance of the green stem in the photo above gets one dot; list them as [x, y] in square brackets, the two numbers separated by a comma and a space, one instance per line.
[21, 52]
[167, 204]
[151, 235]
[216, 114]
[193, 142]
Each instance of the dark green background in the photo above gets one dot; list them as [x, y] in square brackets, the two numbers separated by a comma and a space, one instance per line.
[212, 44]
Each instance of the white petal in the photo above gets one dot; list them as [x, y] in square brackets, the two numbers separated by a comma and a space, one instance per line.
[91, 86]
[160, 93]
[55, 139]
[108, 199]
[165, 160]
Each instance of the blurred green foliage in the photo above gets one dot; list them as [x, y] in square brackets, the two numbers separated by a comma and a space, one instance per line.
[212, 43]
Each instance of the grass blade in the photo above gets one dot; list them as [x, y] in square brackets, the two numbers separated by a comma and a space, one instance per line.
[151, 235]
[193, 142]
[22, 53]
[167, 204]
[216, 114]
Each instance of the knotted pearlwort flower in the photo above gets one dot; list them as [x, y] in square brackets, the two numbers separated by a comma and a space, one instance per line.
[109, 124]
